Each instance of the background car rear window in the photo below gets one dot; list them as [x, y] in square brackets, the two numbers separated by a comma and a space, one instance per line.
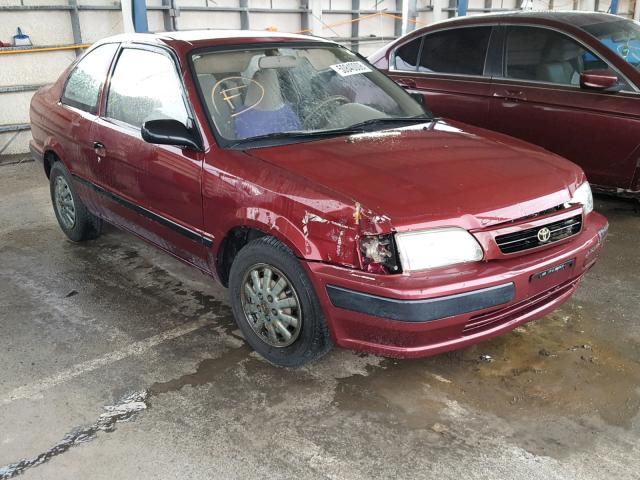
[459, 51]
[406, 57]
[543, 55]
[85, 81]
[145, 86]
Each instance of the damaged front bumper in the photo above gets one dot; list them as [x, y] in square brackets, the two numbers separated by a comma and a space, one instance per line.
[426, 313]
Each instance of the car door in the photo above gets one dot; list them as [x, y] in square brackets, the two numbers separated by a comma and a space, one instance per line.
[538, 98]
[448, 68]
[78, 110]
[153, 190]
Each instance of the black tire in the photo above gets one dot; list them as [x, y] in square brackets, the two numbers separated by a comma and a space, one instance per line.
[313, 339]
[85, 226]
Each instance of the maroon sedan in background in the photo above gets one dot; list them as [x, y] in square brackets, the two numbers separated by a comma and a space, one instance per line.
[567, 81]
[331, 204]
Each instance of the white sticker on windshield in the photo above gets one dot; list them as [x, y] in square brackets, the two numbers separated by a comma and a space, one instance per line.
[350, 68]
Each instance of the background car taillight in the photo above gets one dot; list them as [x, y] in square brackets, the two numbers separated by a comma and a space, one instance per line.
[379, 254]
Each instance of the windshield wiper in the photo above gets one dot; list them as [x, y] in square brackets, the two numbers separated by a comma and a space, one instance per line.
[295, 134]
[352, 129]
[383, 120]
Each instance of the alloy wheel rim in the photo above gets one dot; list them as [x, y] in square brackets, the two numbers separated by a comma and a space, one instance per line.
[64, 203]
[271, 305]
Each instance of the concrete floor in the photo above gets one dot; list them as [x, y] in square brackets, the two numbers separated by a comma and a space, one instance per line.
[84, 325]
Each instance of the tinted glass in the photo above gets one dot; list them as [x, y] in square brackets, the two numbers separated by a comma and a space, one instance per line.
[406, 57]
[622, 36]
[145, 86]
[461, 51]
[544, 55]
[301, 89]
[85, 81]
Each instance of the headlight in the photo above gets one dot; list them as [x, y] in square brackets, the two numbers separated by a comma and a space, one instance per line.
[379, 254]
[583, 196]
[437, 248]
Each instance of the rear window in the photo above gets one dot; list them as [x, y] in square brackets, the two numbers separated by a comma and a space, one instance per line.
[459, 51]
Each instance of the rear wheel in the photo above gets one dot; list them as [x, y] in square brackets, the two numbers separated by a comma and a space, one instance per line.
[73, 217]
[275, 305]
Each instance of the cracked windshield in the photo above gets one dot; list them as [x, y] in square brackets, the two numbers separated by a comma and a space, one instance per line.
[621, 36]
[301, 90]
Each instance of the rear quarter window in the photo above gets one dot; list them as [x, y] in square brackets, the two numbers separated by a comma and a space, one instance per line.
[406, 56]
[83, 86]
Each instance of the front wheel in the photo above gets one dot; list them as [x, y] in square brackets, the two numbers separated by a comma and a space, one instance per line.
[275, 305]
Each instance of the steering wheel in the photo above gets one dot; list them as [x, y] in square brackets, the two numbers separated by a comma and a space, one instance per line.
[312, 118]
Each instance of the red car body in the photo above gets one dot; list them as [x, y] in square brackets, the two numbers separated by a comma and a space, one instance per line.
[320, 197]
[597, 128]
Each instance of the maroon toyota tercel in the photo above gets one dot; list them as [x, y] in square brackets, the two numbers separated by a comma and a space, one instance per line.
[331, 204]
[567, 81]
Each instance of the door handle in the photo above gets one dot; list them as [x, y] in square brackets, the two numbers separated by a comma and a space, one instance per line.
[512, 95]
[407, 83]
[99, 149]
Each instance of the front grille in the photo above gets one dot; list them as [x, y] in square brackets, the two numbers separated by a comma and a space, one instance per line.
[526, 239]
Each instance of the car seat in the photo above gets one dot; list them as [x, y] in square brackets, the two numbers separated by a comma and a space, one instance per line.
[561, 63]
[265, 110]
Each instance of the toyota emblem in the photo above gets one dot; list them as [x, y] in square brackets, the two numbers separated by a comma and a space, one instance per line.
[544, 234]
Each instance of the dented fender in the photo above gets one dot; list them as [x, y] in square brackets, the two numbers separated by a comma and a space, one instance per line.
[316, 223]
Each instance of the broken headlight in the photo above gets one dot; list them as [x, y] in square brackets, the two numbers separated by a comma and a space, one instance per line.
[584, 197]
[379, 254]
[437, 248]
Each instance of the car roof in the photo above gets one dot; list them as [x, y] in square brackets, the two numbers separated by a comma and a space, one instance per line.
[188, 39]
[571, 17]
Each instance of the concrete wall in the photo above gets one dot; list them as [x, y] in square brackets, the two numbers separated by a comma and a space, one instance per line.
[49, 27]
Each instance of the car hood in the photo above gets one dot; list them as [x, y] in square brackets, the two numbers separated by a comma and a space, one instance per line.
[443, 173]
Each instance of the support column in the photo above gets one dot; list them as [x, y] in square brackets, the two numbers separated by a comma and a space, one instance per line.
[636, 11]
[614, 7]
[397, 22]
[408, 14]
[75, 24]
[167, 16]
[305, 17]
[355, 24]
[244, 15]
[438, 14]
[134, 16]
[127, 16]
[452, 8]
[463, 5]
[316, 17]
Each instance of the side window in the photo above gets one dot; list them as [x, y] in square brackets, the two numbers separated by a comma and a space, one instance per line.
[406, 57]
[145, 86]
[544, 55]
[460, 51]
[83, 86]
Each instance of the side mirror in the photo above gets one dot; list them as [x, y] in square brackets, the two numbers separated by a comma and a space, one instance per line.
[418, 97]
[603, 80]
[169, 132]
